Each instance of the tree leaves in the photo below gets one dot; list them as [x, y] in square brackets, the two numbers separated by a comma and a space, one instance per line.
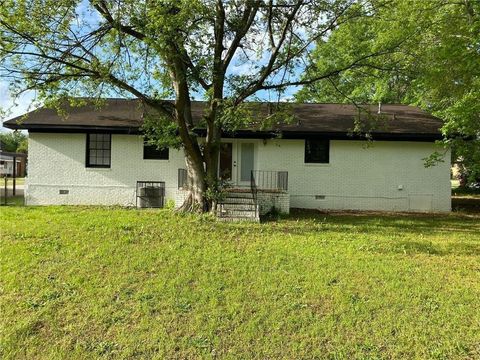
[430, 56]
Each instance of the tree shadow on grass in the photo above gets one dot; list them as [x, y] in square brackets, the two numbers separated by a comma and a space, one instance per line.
[419, 223]
[428, 248]
[466, 204]
[406, 233]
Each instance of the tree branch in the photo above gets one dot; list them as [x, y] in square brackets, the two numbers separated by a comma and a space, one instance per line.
[102, 8]
[249, 15]
[256, 85]
[356, 64]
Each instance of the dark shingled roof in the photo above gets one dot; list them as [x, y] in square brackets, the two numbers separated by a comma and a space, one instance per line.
[332, 120]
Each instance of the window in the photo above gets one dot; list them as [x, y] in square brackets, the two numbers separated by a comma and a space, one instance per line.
[151, 152]
[317, 151]
[99, 150]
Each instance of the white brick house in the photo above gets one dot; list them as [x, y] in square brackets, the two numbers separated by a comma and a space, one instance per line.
[315, 163]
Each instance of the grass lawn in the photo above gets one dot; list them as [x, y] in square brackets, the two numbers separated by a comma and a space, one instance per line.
[466, 200]
[82, 283]
[11, 201]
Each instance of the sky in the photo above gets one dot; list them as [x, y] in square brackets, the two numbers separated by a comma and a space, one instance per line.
[22, 104]
[13, 107]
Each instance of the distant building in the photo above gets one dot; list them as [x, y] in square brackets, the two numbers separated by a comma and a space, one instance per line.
[7, 160]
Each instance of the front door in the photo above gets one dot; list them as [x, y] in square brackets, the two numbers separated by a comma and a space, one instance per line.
[225, 164]
[236, 162]
[246, 157]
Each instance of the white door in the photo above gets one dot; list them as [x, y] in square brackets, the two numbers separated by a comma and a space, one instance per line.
[236, 162]
[245, 162]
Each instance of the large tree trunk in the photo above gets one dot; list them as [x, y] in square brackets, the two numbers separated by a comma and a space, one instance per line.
[202, 180]
[212, 181]
[211, 152]
[202, 164]
[195, 200]
[194, 159]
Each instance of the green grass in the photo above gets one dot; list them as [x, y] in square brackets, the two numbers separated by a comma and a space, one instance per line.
[12, 201]
[87, 283]
[466, 200]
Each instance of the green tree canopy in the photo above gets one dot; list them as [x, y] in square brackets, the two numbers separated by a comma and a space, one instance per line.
[225, 52]
[14, 141]
[431, 58]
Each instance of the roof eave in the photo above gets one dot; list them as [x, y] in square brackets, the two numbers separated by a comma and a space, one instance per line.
[75, 128]
[338, 135]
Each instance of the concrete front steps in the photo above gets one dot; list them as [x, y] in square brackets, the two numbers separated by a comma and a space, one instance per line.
[238, 206]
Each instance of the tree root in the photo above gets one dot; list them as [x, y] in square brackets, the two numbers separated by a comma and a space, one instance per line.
[190, 205]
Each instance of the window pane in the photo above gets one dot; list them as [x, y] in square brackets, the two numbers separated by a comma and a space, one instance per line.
[317, 151]
[98, 152]
[225, 161]
[151, 152]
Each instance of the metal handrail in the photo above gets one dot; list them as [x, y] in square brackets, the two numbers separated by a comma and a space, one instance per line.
[254, 190]
[270, 180]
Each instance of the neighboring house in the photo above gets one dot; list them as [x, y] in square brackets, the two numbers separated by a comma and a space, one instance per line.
[97, 156]
[7, 160]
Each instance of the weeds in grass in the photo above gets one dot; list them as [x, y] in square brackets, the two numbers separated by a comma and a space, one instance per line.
[93, 282]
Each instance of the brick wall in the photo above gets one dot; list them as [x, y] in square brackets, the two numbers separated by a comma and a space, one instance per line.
[279, 201]
[57, 162]
[384, 176]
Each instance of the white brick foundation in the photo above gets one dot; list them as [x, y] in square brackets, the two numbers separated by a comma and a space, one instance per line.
[280, 201]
